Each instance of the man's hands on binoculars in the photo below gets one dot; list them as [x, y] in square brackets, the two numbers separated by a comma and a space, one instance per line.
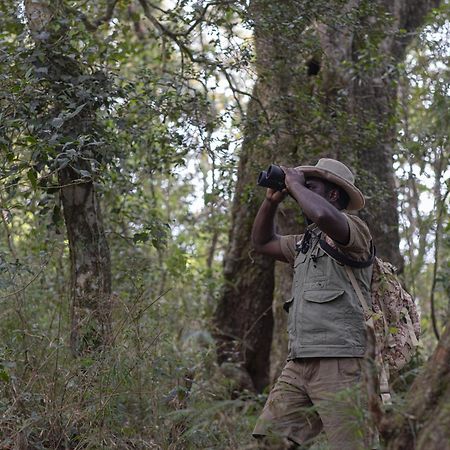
[276, 197]
[293, 177]
[280, 181]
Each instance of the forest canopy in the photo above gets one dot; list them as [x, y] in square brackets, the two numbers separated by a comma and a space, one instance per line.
[131, 137]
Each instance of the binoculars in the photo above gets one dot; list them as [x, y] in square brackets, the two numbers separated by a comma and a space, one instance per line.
[273, 178]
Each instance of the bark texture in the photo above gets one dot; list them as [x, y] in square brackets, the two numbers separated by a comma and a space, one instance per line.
[90, 291]
[89, 251]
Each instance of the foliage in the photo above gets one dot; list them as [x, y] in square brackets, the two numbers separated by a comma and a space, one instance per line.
[153, 150]
[165, 90]
[423, 166]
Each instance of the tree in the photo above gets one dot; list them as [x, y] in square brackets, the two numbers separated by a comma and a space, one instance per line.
[326, 86]
[423, 162]
[422, 422]
[73, 95]
[84, 127]
[115, 113]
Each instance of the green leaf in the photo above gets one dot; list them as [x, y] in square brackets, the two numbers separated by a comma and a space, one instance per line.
[76, 112]
[32, 177]
[4, 376]
[140, 237]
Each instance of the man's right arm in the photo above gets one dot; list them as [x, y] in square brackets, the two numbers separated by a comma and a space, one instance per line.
[264, 238]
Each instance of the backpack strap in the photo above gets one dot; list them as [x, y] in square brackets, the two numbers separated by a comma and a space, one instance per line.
[384, 370]
[385, 391]
[345, 260]
[362, 300]
[365, 306]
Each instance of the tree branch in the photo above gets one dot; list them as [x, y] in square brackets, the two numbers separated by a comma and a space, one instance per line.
[92, 26]
[192, 27]
[187, 51]
[164, 30]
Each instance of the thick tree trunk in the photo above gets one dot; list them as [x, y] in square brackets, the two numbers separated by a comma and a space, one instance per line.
[243, 318]
[90, 291]
[271, 135]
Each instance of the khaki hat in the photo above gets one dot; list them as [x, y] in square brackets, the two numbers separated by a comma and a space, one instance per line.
[339, 174]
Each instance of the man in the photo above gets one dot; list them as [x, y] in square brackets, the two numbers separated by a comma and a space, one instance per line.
[325, 323]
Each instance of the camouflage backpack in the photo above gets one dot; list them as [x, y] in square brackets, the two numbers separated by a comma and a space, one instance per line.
[396, 322]
[394, 315]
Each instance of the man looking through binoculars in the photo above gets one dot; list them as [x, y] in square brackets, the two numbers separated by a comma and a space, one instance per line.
[325, 325]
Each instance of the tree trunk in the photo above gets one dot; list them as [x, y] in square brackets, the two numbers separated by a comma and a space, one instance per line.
[90, 291]
[243, 318]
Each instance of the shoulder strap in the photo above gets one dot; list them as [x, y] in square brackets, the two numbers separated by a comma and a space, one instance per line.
[359, 293]
[365, 306]
[345, 260]
[384, 369]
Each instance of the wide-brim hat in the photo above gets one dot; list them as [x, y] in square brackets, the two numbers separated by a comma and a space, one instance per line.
[338, 173]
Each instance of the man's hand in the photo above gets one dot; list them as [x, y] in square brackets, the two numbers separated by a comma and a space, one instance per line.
[293, 177]
[264, 237]
[275, 197]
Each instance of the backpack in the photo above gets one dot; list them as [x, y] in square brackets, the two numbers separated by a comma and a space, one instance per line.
[393, 316]
[393, 320]
[396, 321]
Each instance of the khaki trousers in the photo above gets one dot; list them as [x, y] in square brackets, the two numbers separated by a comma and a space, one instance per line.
[312, 394]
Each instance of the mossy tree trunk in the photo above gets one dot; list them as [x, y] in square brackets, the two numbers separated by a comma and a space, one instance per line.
[90, 288]
[244, 319]
[71, 109]
[326, 87]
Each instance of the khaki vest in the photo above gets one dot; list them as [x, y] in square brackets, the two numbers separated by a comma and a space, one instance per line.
[325, 315]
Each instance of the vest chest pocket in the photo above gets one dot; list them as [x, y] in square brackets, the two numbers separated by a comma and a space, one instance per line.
[323, 313]
[322, 295]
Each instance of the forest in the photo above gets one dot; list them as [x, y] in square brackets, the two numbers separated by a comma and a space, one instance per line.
[135, 312]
